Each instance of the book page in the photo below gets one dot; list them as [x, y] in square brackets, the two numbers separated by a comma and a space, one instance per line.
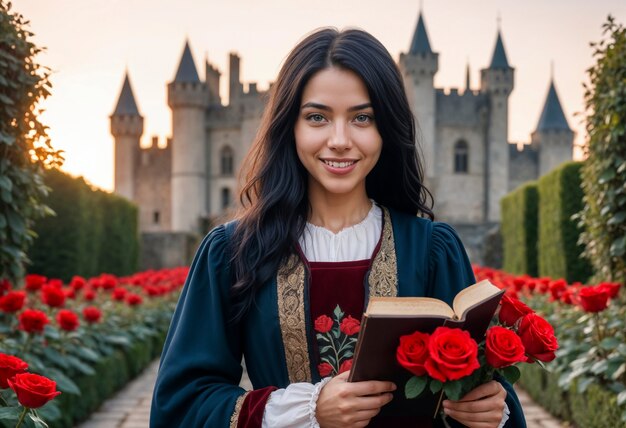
[408, 306]
[472, 295]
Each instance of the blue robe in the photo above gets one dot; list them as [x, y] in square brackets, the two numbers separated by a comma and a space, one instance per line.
[197, 384]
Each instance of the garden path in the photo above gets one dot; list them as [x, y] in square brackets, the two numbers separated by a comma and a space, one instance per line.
[130, 408]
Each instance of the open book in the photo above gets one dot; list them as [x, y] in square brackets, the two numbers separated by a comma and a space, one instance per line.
[388, 318]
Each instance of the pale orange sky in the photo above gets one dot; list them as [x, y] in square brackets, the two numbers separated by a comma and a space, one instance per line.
[91, 42]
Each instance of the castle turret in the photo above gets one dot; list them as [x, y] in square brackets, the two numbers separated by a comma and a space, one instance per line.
[419, 66]
[497, 81]
[235, 87]
[553, 137]
[212, 77]
[126, 128]
[188, 97]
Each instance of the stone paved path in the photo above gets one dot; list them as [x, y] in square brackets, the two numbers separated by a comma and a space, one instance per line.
[130, 408]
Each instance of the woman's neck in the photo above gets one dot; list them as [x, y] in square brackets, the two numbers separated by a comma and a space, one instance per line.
[336, 212]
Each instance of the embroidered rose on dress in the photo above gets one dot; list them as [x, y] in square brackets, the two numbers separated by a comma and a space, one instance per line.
[336, 338]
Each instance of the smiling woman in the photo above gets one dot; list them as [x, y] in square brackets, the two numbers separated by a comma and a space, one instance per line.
[334, 212]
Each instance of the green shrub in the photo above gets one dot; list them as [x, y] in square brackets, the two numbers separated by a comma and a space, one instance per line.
[519, 230]
[560, 197]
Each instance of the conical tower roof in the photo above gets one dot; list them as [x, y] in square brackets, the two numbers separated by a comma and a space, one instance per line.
[420, 43]
[499, 60]
[126, 104]
[187, 71]
[552, 117]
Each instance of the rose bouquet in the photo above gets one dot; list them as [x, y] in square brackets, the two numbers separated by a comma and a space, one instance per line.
[449, 361]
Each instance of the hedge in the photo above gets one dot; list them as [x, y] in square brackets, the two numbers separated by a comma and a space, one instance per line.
[92, 232]
[519, 229]
[594, 408]
[560, 197]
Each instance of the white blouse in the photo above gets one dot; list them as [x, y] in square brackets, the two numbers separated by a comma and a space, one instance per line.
[294, 406]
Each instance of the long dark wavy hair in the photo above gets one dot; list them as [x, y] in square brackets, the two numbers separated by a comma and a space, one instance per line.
[275, 199]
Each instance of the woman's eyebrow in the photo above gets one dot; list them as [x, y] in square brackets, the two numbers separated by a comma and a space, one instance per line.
[326, 108]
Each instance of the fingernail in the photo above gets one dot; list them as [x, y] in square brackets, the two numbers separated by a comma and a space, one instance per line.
[446, 403]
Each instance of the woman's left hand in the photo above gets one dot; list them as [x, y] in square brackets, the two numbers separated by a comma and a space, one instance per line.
[482, 407]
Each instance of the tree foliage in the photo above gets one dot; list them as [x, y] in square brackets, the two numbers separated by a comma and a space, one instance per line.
[604, 172]
[25, 147]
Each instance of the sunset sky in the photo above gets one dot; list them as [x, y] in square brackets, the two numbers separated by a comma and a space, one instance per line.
[91, 42]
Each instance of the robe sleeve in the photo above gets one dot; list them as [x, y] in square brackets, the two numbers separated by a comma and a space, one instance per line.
[449, 271]
[200, 370]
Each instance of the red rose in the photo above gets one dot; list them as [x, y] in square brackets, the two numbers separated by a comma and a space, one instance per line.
[13, 301]
[133, 299]
[593, 299]
[567, 296]
[557, 287]
[9, 367]
[152, 290]
[323, 324]
[538, 337]
[55, 282]
[108, 281]
[89, 294]
[34, 282]
[119, 294]
[345, 366]
[503, 347]
[77, 282]
[33, 321]
[350, 326]
[92, 314]
[325, 369]
[33, 391]
[518, 283]
[412, 352]
[52, 296]
[67, 320]
[511, 310]
[612, 288]
[453, 354]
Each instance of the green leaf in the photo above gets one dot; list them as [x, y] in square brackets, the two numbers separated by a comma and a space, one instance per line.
[79, 365]
[618, 218]
[599, 367]
[618, 247]
[118, 340]
[39, 423]
[435, 386]
[453, 389]
[64, 383]
[511, 374]
[10, 413]
[607, 175]
[415, 386]
[584, 383]
[621, 398]
[5, 183]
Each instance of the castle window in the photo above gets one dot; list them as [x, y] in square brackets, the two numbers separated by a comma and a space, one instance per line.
[156, 217]
[225, 198]
[461, 154]
[227, 161]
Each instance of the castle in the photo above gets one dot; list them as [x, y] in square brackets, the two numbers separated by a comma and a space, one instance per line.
[469, 162]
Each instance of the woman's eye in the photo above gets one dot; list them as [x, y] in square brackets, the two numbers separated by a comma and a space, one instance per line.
[363, 118]
[315, 117]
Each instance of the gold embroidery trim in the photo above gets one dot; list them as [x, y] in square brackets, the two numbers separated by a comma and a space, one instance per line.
[290, 288]
[234, 419]
[383, 278]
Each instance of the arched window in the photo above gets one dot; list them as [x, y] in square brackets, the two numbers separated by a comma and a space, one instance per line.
[461, 155]
[227, 161]
[225, 198]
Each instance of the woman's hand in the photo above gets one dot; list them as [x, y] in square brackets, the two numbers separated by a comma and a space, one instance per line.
[482, 407]
[351, 404]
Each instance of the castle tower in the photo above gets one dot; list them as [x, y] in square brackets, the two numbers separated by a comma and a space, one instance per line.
[235, 87]
[497, 82]
[418, 67]
[126, 128]
[553, 137]
[212, 77]
[188, 97]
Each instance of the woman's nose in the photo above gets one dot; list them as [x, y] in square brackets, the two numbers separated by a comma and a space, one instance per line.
[339, 138]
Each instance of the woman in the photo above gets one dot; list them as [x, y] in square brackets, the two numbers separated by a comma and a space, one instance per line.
[331, 204]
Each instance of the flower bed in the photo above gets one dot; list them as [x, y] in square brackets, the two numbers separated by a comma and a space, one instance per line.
[90, 336]
[586, 383]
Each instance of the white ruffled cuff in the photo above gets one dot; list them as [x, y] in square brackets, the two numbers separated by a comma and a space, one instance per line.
[294, 406]
[505, 415]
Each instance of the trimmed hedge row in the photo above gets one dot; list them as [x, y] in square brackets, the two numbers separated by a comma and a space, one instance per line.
[596, 407]
[113, 372]
[519, 229]
[560, 197]
[92, 232]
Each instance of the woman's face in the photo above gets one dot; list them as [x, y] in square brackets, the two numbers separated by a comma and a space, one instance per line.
[336, 136]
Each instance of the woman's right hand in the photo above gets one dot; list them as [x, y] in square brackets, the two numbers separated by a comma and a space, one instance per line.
[346, 404]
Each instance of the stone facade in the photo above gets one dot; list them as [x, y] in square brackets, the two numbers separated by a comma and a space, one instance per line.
[469, 162]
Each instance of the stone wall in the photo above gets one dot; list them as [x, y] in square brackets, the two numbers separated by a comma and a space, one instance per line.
[167, 249]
